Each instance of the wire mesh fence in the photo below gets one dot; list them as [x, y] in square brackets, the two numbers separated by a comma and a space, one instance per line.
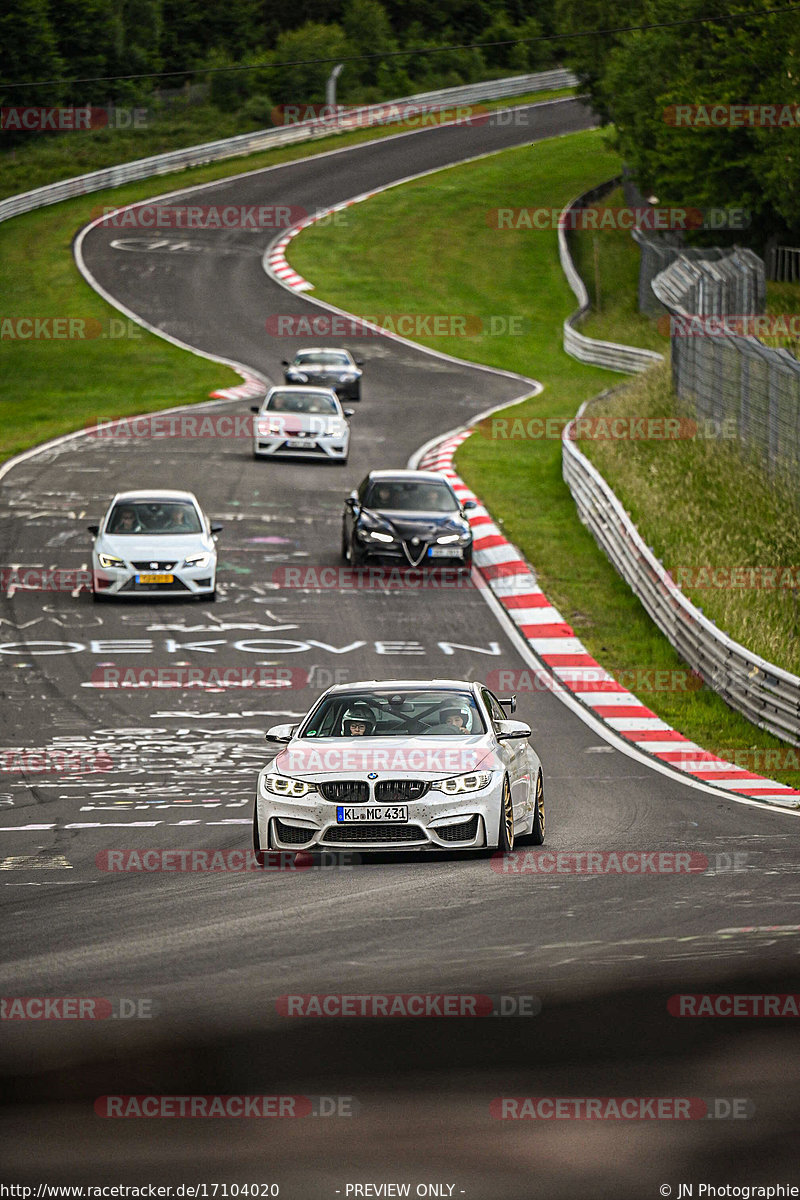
[725, 376]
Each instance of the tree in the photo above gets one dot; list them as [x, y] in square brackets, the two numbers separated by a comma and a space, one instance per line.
[28, 51]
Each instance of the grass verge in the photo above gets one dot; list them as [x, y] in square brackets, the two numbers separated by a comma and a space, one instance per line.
[381, 262]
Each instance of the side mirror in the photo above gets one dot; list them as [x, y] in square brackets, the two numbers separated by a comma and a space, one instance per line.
[468, 504]
[280, 733]
[359, 362]
[255, 408]
[95, 529]
[284, 362]
[512, 729]
[215, 528]
[348, 412]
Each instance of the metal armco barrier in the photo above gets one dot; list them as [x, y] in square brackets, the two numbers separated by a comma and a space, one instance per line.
[764, 693]
[611, 355]
[264, 139]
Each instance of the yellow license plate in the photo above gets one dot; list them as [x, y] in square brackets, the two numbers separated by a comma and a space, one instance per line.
[155, 578]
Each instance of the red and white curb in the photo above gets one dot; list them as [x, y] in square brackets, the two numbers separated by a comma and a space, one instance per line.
[275, 262]
[242, 391]
[553, 641]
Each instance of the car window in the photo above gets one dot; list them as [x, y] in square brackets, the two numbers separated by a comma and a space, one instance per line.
[495, 710]
[419, 713]
[153, 517]
[300, 402]
[411, 496]
[323, 357]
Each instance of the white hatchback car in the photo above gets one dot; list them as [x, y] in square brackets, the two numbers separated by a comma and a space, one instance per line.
[401, 765]
[154, 543]
[302, 422]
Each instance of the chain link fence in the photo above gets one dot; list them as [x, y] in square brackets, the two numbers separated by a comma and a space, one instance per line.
[725, 376]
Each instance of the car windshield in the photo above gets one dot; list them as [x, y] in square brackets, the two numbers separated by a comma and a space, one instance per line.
[424, 712]
[300, 402]
[408, 496]
[154, 517]
[327, 358]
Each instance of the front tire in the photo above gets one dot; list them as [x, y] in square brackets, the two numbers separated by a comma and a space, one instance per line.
[505, 838]
[536, 835]
[257, 851]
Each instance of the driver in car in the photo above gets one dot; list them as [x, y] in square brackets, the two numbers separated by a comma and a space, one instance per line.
[455, 717]
[357, 722]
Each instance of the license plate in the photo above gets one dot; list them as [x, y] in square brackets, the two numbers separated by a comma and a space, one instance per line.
[155, 578]
[299, 443]
[345, 813]
[444, 552]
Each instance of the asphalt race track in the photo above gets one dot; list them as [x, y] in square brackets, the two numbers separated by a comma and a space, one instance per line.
[209, 954]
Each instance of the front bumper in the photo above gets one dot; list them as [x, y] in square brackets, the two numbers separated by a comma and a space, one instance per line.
[394, 553]
[121, 581]
[435, 822]
[324, 448]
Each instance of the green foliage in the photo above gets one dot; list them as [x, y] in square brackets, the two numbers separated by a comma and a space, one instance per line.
[306, 48]
[636, 78]
[28, 51]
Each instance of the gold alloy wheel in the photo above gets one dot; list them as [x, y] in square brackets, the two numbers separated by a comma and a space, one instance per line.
[540, 802]
[507, 816]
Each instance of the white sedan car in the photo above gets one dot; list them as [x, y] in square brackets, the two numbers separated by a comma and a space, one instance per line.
[154, 544]
[302, 422]
[401, 765]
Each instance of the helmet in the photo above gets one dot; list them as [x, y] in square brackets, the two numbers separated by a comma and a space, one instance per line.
[450, 710]
[358, 713]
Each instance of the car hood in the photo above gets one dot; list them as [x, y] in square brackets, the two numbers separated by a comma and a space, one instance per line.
[152, 546]
[389, 757]
[422, 525]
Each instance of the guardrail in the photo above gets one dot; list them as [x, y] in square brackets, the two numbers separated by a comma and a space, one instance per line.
[611, 355]
[766, 694]
[249, 143]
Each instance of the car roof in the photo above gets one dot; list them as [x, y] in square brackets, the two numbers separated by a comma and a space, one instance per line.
[155, 495]
[294, 388]
[400, 685]
[410, 476]
[321, 350]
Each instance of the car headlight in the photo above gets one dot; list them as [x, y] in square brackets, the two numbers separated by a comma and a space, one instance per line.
[110, 560]
[347, 378]
[476, 781]
[448, 539]
[197, 560]
[282, 785]
[298, 375]
[380, 537]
